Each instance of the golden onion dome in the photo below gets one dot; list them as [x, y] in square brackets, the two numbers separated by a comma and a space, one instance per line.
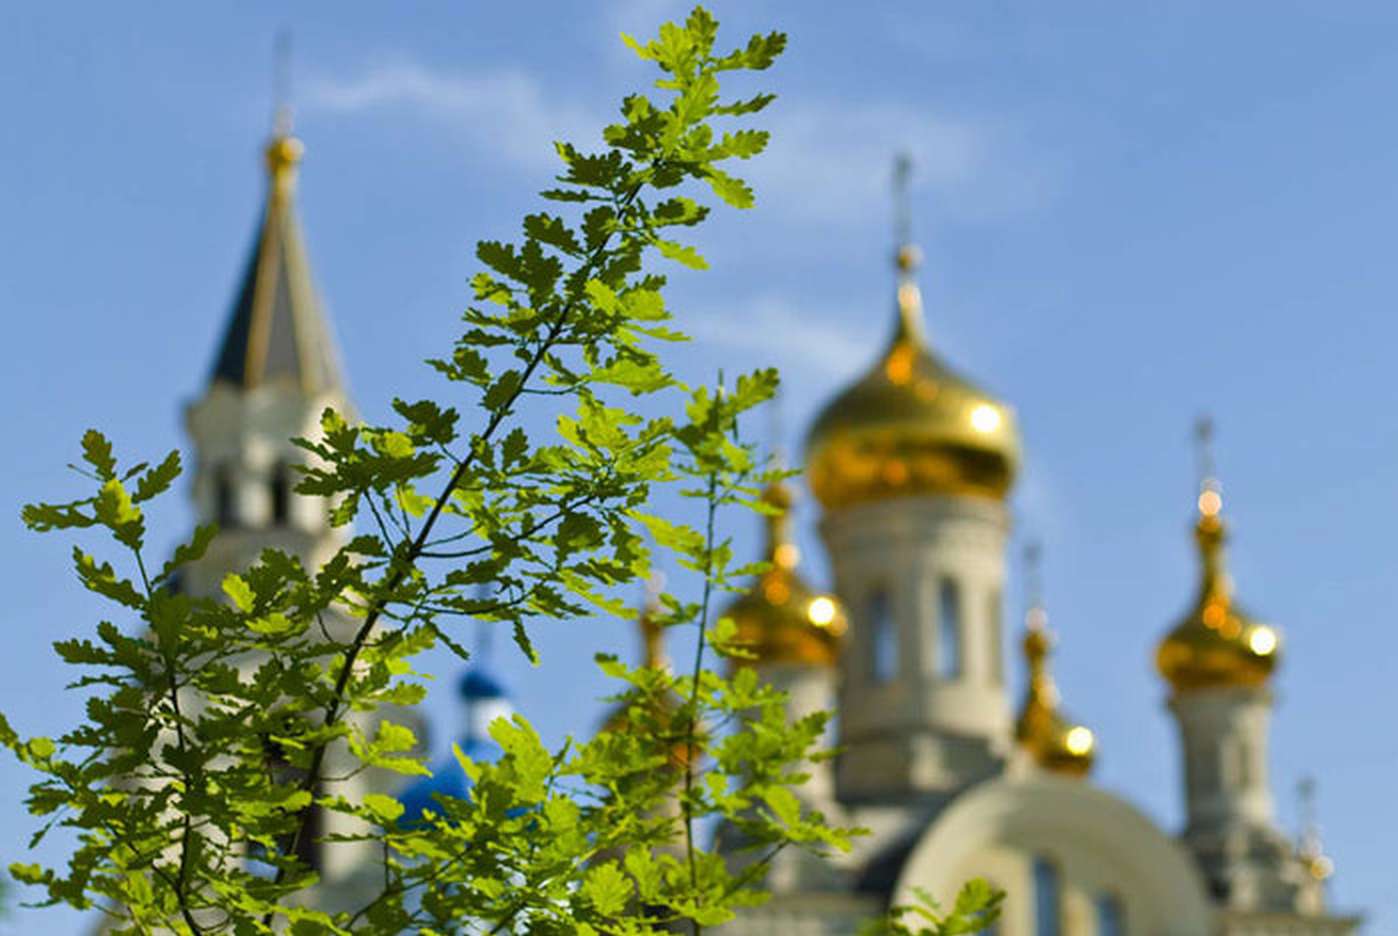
[781, 619]
[1216, 644]
[1056, 742]
[911, 425]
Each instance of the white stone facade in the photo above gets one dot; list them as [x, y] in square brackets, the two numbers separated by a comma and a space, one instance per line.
[940, 718]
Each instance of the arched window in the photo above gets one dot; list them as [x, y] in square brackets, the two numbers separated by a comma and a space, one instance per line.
[994, 638]
[1048, 898]
[281, 493]
[225, 498]
[948, 629]
[1111, 920]
[883, 636]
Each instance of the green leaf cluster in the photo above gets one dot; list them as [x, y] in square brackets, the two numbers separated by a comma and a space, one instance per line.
[227, 725]
[976, 909]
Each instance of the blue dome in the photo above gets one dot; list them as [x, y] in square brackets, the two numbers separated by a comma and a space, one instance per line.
[448, 780]
[477, 683]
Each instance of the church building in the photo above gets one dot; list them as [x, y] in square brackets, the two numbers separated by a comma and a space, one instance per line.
[912, 466]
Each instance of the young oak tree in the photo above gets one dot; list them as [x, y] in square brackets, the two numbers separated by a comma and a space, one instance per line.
[212, 724]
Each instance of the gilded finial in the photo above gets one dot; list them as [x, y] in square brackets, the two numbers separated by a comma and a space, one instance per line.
[1038, 641]
[1309, 848]
[902, 216]
[284, 151]
[907, 256]
[781, 549]
[1210, 490]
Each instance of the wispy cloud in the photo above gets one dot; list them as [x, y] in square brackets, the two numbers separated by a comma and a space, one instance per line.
[828, 161]
[803, 344]
[833, 161]
[505, 110]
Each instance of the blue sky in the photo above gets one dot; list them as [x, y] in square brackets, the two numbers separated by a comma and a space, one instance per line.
[1131, 214]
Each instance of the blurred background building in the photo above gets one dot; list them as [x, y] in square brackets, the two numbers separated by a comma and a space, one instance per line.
[911, 466]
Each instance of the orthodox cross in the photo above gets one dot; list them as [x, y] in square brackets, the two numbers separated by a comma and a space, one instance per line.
[1204, 449]
[281, 84]
[902, 213]
[1034, 584]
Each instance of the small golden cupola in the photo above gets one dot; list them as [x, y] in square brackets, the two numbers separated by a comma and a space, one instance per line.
[911, 425]
[781, 620]
[1216, 644]
[1052, 739]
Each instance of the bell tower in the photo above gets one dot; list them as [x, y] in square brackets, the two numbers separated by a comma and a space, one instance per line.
[912, 465]
[275, 372]
[1219, 662]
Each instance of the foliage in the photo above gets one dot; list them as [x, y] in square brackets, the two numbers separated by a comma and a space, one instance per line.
[977, 907]
[220, 725]
[223, 732]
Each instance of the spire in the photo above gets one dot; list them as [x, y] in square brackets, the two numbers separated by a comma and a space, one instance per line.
[1053, 740]
[908, 258]
[277, 332]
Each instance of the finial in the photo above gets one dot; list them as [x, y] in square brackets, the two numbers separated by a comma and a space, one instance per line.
[907, 257]
[281, 84]
[283, 150]
[1038, 641]
[1309, 847]
[1035, 616]
[902, 215]
[776, 426]
[1210, 490]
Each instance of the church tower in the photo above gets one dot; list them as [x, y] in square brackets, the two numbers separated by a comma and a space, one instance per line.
[276, 370]
[912, 465]
[1219, 662]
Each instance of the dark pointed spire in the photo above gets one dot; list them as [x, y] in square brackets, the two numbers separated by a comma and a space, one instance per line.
[277, 332]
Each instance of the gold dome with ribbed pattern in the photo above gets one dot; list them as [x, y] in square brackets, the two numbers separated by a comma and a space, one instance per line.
[1216, 644]
[1055, 741]
[911, 425]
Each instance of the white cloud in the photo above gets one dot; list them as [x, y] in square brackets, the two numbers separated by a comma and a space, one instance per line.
[506, 110]
[639, 18]
[833, 161]
[828, 162]
[803, 344]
